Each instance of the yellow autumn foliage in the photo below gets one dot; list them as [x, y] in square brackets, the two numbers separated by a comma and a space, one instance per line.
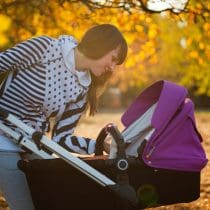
[5, 23]
[4, 26]
[154, 51]
[193, 54]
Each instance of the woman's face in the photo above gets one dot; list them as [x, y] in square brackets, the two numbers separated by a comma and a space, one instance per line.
[104, 64]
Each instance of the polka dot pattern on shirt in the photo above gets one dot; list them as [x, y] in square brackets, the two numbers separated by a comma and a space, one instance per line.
[62, 85]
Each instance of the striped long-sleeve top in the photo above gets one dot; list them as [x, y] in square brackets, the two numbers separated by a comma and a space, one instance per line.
[44, 83]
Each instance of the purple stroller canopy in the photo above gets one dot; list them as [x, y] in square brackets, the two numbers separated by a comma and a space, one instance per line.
[176, 143]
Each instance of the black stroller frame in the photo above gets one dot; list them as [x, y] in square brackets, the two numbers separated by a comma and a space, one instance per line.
[69, 182]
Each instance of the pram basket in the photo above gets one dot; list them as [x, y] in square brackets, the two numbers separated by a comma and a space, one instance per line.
[56, 185]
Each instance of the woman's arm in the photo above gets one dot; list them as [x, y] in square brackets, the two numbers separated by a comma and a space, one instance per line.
[63, 132]
[24, 54]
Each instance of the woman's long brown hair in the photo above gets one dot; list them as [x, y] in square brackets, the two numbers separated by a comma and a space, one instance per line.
[97, 42]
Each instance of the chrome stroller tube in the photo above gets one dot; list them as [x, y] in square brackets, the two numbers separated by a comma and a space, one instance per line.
[42, 141]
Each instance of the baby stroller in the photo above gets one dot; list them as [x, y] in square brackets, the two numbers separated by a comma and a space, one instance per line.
[155, 161]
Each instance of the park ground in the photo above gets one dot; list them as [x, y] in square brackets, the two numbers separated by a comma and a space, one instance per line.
[90, 127]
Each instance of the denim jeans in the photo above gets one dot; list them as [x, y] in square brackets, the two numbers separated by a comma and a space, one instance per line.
[13, 183]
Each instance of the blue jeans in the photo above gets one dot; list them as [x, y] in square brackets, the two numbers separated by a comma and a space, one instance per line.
[13, 183]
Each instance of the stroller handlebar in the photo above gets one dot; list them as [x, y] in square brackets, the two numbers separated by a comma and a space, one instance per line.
[117, 136]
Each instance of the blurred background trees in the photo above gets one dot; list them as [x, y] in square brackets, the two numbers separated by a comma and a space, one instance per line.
[164, 43]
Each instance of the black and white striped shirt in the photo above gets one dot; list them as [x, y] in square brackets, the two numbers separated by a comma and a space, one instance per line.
[44, 83]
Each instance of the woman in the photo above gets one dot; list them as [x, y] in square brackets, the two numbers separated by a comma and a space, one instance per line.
[54, 78]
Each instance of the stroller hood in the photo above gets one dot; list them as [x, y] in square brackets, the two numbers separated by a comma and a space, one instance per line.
[176, 143]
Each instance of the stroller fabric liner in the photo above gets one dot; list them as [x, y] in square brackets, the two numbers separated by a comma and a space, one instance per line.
[167, 164]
